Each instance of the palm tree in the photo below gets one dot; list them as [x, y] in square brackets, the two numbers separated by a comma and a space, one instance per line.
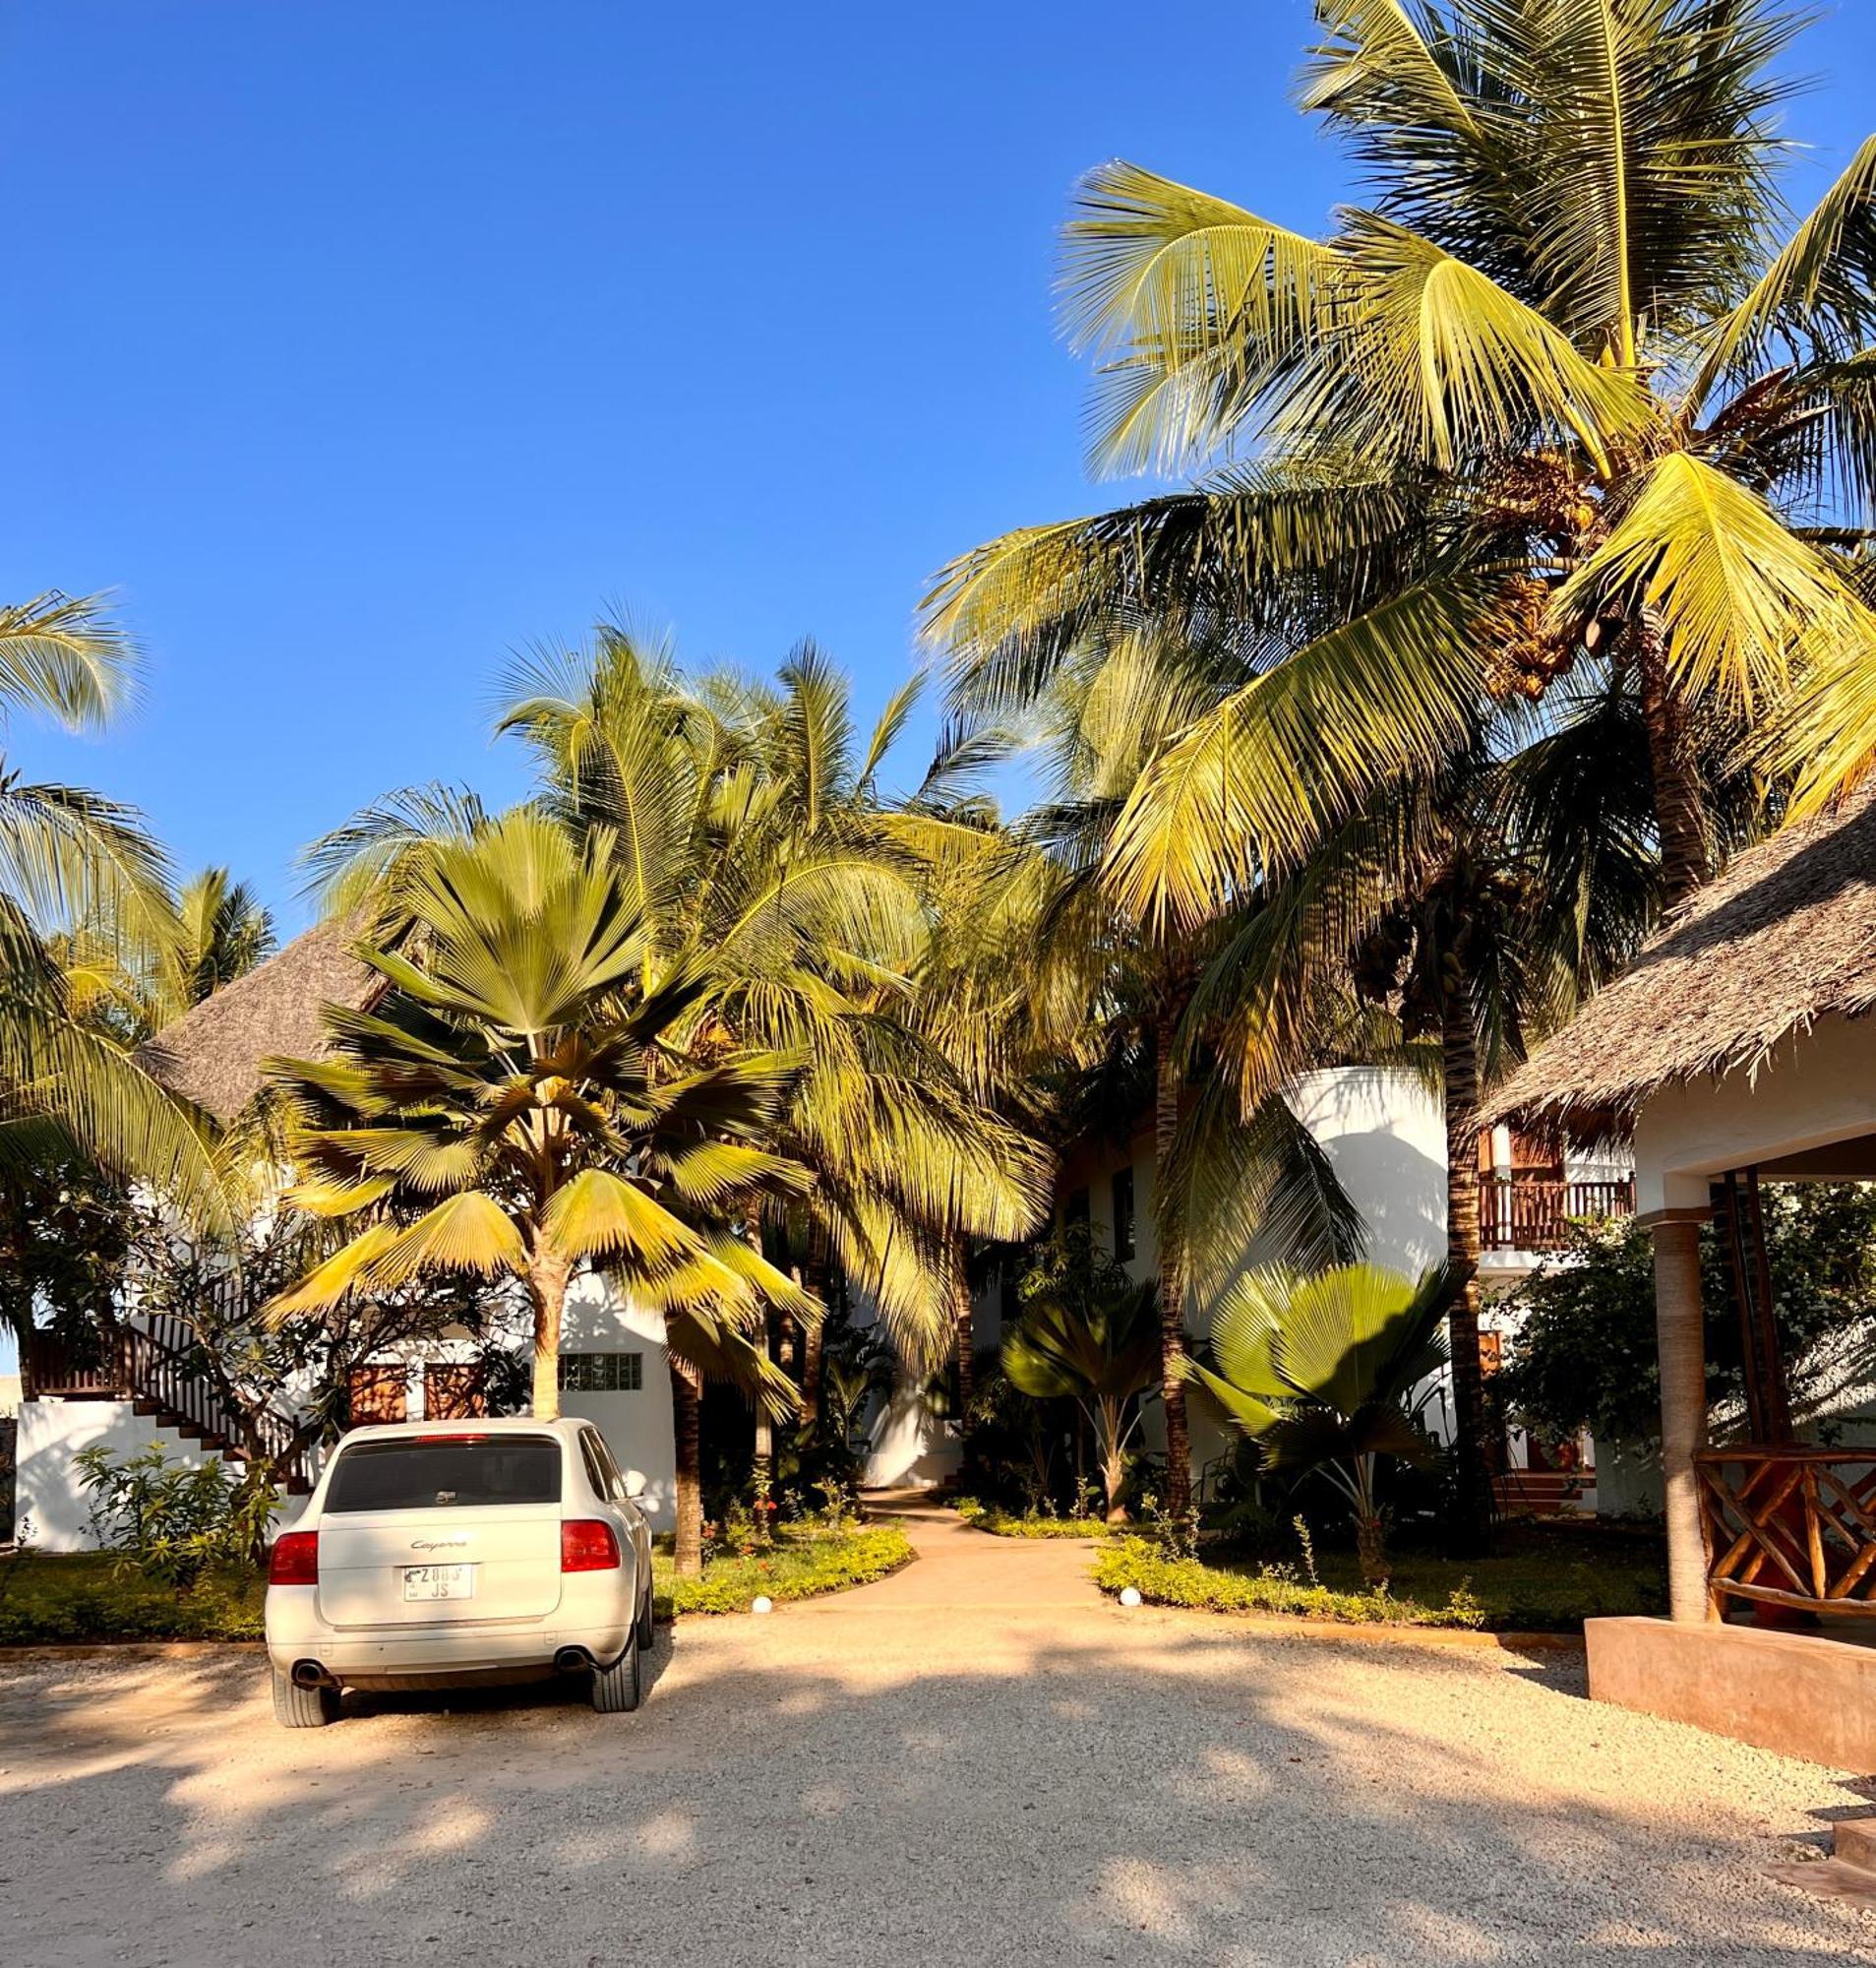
[522, 1104]
[753, 823]
[1089, 1334]
[1318, 1373]
[1568, 390]
[1110, 1005]
[226, 932]
[84, 894]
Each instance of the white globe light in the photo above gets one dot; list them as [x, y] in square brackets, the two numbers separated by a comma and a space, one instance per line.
[1130, 1595]
[762, 1604]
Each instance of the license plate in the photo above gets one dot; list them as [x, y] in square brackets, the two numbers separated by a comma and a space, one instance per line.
[439, 1581]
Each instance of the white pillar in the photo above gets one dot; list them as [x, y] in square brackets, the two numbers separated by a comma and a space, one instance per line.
[1682, 1335]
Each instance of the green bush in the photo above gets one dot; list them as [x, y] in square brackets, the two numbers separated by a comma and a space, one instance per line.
[50, 1600]
[1004, 1525]
[1210, 1588]
[796, 1566]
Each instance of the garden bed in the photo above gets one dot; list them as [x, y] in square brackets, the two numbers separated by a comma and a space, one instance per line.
[1004, 1523]
[800, 1564]
[48, 1600]
[1537, 1579]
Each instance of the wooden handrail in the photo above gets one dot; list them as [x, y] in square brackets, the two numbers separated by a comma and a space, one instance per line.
[156, 1358]
[1790, 1525]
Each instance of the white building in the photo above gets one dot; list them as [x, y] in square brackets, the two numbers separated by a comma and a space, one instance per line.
[1382, 1132]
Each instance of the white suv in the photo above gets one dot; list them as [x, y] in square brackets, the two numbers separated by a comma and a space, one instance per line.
[438, 1555]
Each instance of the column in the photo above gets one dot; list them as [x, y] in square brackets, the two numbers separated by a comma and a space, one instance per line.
[1680, 1334]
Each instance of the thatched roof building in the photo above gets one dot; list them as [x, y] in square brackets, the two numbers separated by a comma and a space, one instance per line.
[1786, 936]
[213, 1054]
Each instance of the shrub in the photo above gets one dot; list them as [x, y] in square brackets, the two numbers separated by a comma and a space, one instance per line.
[174, 1520]
[1004, 1523]
[1191, 1581]
[793, 1567]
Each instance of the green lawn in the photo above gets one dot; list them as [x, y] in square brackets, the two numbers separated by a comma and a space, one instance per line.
[1539, 1578]
[49, 1600]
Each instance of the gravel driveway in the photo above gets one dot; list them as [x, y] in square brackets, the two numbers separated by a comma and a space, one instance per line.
[977, 1762]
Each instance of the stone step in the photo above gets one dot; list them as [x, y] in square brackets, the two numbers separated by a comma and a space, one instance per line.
[1854, 1840]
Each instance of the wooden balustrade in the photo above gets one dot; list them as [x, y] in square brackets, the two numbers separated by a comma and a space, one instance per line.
[155, 1362]
[1533, 1213]
[1791, 1527]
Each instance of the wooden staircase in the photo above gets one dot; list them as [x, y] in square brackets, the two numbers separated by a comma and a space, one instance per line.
[150, 1361]
[1539, 1492]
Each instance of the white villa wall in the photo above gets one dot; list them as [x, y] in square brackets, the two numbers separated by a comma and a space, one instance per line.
[45, 1483]
[637, 1426]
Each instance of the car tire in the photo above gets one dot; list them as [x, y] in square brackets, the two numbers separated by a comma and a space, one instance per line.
[616, 1689]
[296, 1708]
[647, 1628]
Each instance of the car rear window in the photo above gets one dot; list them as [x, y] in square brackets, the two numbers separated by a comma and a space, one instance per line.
[451, 1473]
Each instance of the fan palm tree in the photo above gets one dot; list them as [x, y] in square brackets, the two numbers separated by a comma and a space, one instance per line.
[1318, 1373]
[84, 893]
[1569, 388]
[1090, 1335]
[523, 1103]
[775, 850]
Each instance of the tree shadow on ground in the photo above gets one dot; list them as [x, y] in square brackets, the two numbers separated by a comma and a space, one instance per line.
[813, 1791]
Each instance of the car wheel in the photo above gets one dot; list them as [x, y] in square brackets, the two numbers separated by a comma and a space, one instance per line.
[616, 1687]
[648, 1630]
[296, 1708]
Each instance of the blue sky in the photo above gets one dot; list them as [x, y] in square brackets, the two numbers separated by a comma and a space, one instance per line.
[357, 345]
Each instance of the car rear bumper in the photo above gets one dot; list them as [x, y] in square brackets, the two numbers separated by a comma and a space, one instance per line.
[466, 1648]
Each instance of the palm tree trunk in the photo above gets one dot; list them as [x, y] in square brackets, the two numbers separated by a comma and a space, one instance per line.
[686, 1443]
[1679, 815]
[1459, 1046]
[815, 1278]
[964, 1331]
[547, 1275]
[1178, 1441]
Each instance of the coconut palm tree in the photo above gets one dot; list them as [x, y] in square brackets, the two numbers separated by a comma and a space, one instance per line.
[1569, 388]
[226, 932]
[1110, 1000]
[1471, 910]
[525, 1103]
[84, 894]
[1318, 1372]
[752, 822]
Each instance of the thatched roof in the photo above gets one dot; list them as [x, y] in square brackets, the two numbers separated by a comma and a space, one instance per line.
[213, 1054]
[1784, 936]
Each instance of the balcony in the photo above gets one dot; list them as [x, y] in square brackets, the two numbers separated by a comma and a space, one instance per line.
[1530, 1211]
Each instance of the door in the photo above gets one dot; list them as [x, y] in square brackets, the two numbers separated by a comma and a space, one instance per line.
[453, 1393]
[379, 1394]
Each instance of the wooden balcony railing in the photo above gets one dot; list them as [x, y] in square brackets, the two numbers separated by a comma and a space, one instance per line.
[1791, 1527]
[1533, 1213]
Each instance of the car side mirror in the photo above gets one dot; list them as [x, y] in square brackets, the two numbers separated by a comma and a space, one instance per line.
[634, 1483]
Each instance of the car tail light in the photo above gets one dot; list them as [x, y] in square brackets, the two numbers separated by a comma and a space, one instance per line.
[587, 1545]
[295, 1559]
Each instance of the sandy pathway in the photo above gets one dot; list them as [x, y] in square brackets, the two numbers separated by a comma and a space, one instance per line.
[977, 1762]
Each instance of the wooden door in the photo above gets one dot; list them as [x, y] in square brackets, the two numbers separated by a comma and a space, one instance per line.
[453, 1393]
[379, 1394]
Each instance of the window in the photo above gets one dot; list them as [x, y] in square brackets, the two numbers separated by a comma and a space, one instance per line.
[1075, 1211]
[445, 1472]
[1124, 1239]
[601, 1470]
[601, 1372]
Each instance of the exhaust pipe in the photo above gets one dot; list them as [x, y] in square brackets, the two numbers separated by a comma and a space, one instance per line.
[573, 1660]
[309, 1673]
